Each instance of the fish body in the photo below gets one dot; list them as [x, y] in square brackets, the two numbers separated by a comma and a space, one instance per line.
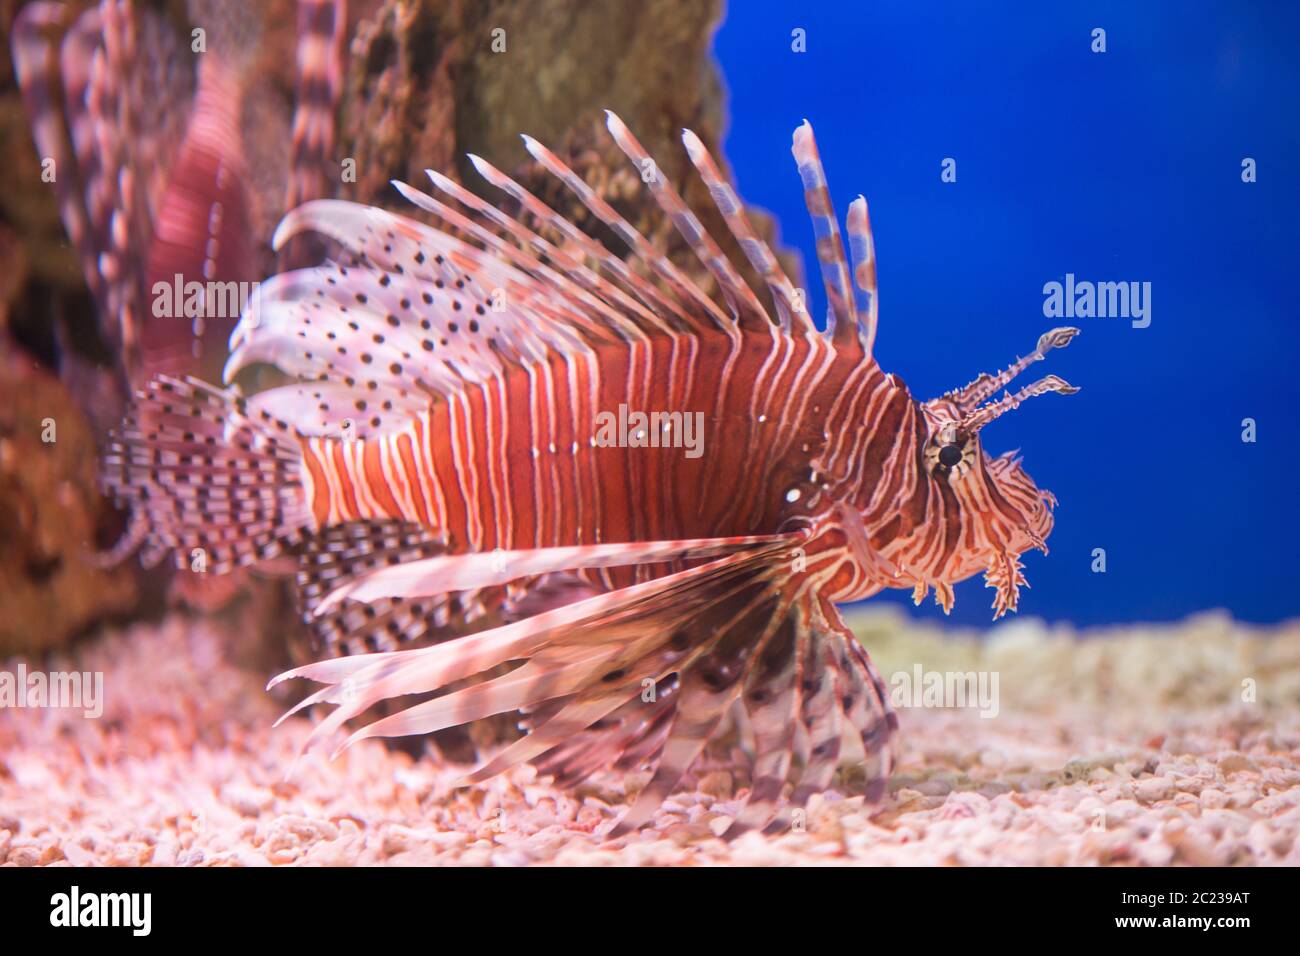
[518, 461]
[471, 419]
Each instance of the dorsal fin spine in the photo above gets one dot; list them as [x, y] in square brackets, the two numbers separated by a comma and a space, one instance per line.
[745, 306]
[640, 247]
[760, 256]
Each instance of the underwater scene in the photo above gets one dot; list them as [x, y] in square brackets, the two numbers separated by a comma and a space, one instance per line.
[675, 433]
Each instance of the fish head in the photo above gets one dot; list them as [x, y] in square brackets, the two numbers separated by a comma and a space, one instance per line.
[1000, 511]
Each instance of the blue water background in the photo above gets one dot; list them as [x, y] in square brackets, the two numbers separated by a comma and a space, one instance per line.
[1117, 166]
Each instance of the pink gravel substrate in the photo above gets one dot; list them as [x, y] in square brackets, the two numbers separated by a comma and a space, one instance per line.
[1133, 747]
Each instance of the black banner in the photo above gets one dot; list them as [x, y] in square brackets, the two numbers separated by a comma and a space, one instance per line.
[334, 905]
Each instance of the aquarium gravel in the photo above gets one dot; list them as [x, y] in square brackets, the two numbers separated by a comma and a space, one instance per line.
[1118, 752]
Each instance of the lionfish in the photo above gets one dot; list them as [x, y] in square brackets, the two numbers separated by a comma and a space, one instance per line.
[438, 452]
[166, 163]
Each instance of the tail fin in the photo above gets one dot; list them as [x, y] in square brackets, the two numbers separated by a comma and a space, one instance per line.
[207, 481]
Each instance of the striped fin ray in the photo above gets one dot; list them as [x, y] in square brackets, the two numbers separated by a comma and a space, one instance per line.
[213, 484]
[318, 84]
[553, 671]
[793, 317]
[579, 291]
[116, 92]
[645, 738]
[337, 408]
[842, 325]
[838, 687]
[576, 271]
[418, 577]
[588, 679]
[485, 651]
[862, 249]
[345, 552]
[356, 683]
[416, 313]
[77, 55]
[772, 698]
[321, 32]
[578, 730]
[392, 624]
[615, 740]
[745, 306]
[341, 553]
[629, 738]
[864, 701]
[821, 727]
[100, 132]
[654, 260]
[103, 192]
[36, 63]
[671, 648]
[580, 725]
[708, 690]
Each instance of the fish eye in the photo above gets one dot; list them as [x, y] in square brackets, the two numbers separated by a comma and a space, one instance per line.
[950, 455]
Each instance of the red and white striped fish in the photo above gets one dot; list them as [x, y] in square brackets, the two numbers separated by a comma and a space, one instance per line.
[162, 150]
[443, 450]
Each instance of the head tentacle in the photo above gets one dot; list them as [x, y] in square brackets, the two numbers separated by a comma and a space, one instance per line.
[981, 416]
[986, 385]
